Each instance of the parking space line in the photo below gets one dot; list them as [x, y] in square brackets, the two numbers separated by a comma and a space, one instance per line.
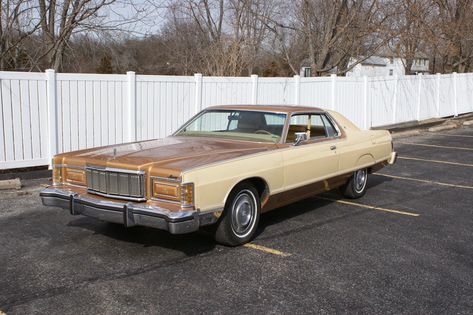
[351, 203]
[267, 250]
[433, 161]
[424, 181]
[436, 146]
[462, 136]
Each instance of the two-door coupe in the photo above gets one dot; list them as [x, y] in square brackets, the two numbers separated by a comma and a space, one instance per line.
[224, 167]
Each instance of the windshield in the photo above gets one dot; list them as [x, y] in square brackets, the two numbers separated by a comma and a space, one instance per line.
[236, 124]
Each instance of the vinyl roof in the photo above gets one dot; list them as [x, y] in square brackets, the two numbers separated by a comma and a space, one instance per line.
[270, 108]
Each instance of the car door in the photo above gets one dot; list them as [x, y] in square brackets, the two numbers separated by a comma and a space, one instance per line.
[313, 161]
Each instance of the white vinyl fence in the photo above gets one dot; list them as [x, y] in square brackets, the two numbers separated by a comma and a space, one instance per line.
[43, 114]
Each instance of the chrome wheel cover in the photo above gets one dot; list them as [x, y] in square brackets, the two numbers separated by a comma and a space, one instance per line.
[243, 213]
[360, 178]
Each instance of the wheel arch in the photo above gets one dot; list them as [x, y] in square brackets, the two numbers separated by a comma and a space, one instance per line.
[365, 161]
[259, 183]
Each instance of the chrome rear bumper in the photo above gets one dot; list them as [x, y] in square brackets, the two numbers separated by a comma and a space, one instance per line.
[127, 213]
[393, 158]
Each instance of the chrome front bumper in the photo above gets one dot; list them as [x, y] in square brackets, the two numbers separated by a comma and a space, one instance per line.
[127, 213]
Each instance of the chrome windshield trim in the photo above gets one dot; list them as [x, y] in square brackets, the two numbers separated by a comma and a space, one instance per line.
[193, 118]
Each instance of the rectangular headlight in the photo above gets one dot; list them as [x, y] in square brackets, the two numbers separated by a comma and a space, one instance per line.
[166, 190]
[74, 176]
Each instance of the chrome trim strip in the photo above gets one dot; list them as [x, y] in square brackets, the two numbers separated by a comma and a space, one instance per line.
[165, 179]
[193, 118]
[116, 196]
[68, 166]
[116, 170]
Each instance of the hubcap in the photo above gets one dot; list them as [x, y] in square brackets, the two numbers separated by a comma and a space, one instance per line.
[243, 213]
[360, 180]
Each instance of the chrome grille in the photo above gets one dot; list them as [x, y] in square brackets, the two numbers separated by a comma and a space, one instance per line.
[116, 183]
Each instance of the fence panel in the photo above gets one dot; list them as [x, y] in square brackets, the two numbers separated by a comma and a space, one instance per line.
[407, 98]
[278, 91]
[226, 90]
[23, 123]
[381, 101]
[158, 98]
[428, 97]
[349, 98]
[95, 110]
[89, 110]
[315, 92]
[464, 93]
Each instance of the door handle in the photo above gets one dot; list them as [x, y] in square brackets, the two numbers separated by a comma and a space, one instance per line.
[333, 147]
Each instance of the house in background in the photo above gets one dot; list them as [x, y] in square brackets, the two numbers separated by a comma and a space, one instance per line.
[385, 63]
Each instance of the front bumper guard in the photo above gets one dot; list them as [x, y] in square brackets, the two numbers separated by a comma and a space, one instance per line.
[127, 213]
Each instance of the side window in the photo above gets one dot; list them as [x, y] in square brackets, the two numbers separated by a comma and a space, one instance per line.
[331, 131]
[313, 124]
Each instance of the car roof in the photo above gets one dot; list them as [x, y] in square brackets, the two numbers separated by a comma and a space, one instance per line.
[286, 109]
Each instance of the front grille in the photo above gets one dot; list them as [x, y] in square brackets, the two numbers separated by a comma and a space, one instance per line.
[116, 183]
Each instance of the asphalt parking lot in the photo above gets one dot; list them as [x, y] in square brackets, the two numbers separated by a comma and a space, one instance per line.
[406, 247]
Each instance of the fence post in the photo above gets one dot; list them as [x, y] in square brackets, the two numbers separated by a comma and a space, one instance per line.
[52, 113]
[333, 79]
[254, 90]
[396, 82]
[297, 89]
[455, 95]
[198, 92]
[437, 94]
[131, 79]
[419, 89]
[365, 102]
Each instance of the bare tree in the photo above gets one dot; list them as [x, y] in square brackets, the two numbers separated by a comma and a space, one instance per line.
[17, 24]
[454, 39]
[61, 19]
[331, 32]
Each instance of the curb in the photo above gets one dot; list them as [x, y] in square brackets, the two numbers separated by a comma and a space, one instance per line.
[405, 134]
[443, 127]
[10, 184]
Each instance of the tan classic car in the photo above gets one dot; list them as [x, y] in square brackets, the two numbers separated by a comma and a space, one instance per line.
[224, 167]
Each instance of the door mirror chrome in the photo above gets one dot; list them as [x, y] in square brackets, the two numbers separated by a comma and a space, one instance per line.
[300, 137]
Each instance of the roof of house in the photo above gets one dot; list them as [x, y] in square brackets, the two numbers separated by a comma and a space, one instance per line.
[374, 61]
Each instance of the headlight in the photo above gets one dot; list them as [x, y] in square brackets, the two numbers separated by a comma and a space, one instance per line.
[63, 174]
[172, 190]
[74, 176]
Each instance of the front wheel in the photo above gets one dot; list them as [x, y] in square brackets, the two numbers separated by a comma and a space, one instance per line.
[356, 186]
[240, 217]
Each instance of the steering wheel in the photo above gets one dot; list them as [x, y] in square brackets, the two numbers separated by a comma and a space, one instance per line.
[261, 131]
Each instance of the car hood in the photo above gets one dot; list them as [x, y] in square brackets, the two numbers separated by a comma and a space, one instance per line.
[176, 153]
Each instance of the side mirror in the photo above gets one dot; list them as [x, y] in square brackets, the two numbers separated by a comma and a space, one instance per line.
[300, 137]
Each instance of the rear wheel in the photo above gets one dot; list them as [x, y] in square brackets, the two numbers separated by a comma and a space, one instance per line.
[240, 217]
[356, 186]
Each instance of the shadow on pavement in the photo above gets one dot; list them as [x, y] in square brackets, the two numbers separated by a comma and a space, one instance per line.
[190, 244]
